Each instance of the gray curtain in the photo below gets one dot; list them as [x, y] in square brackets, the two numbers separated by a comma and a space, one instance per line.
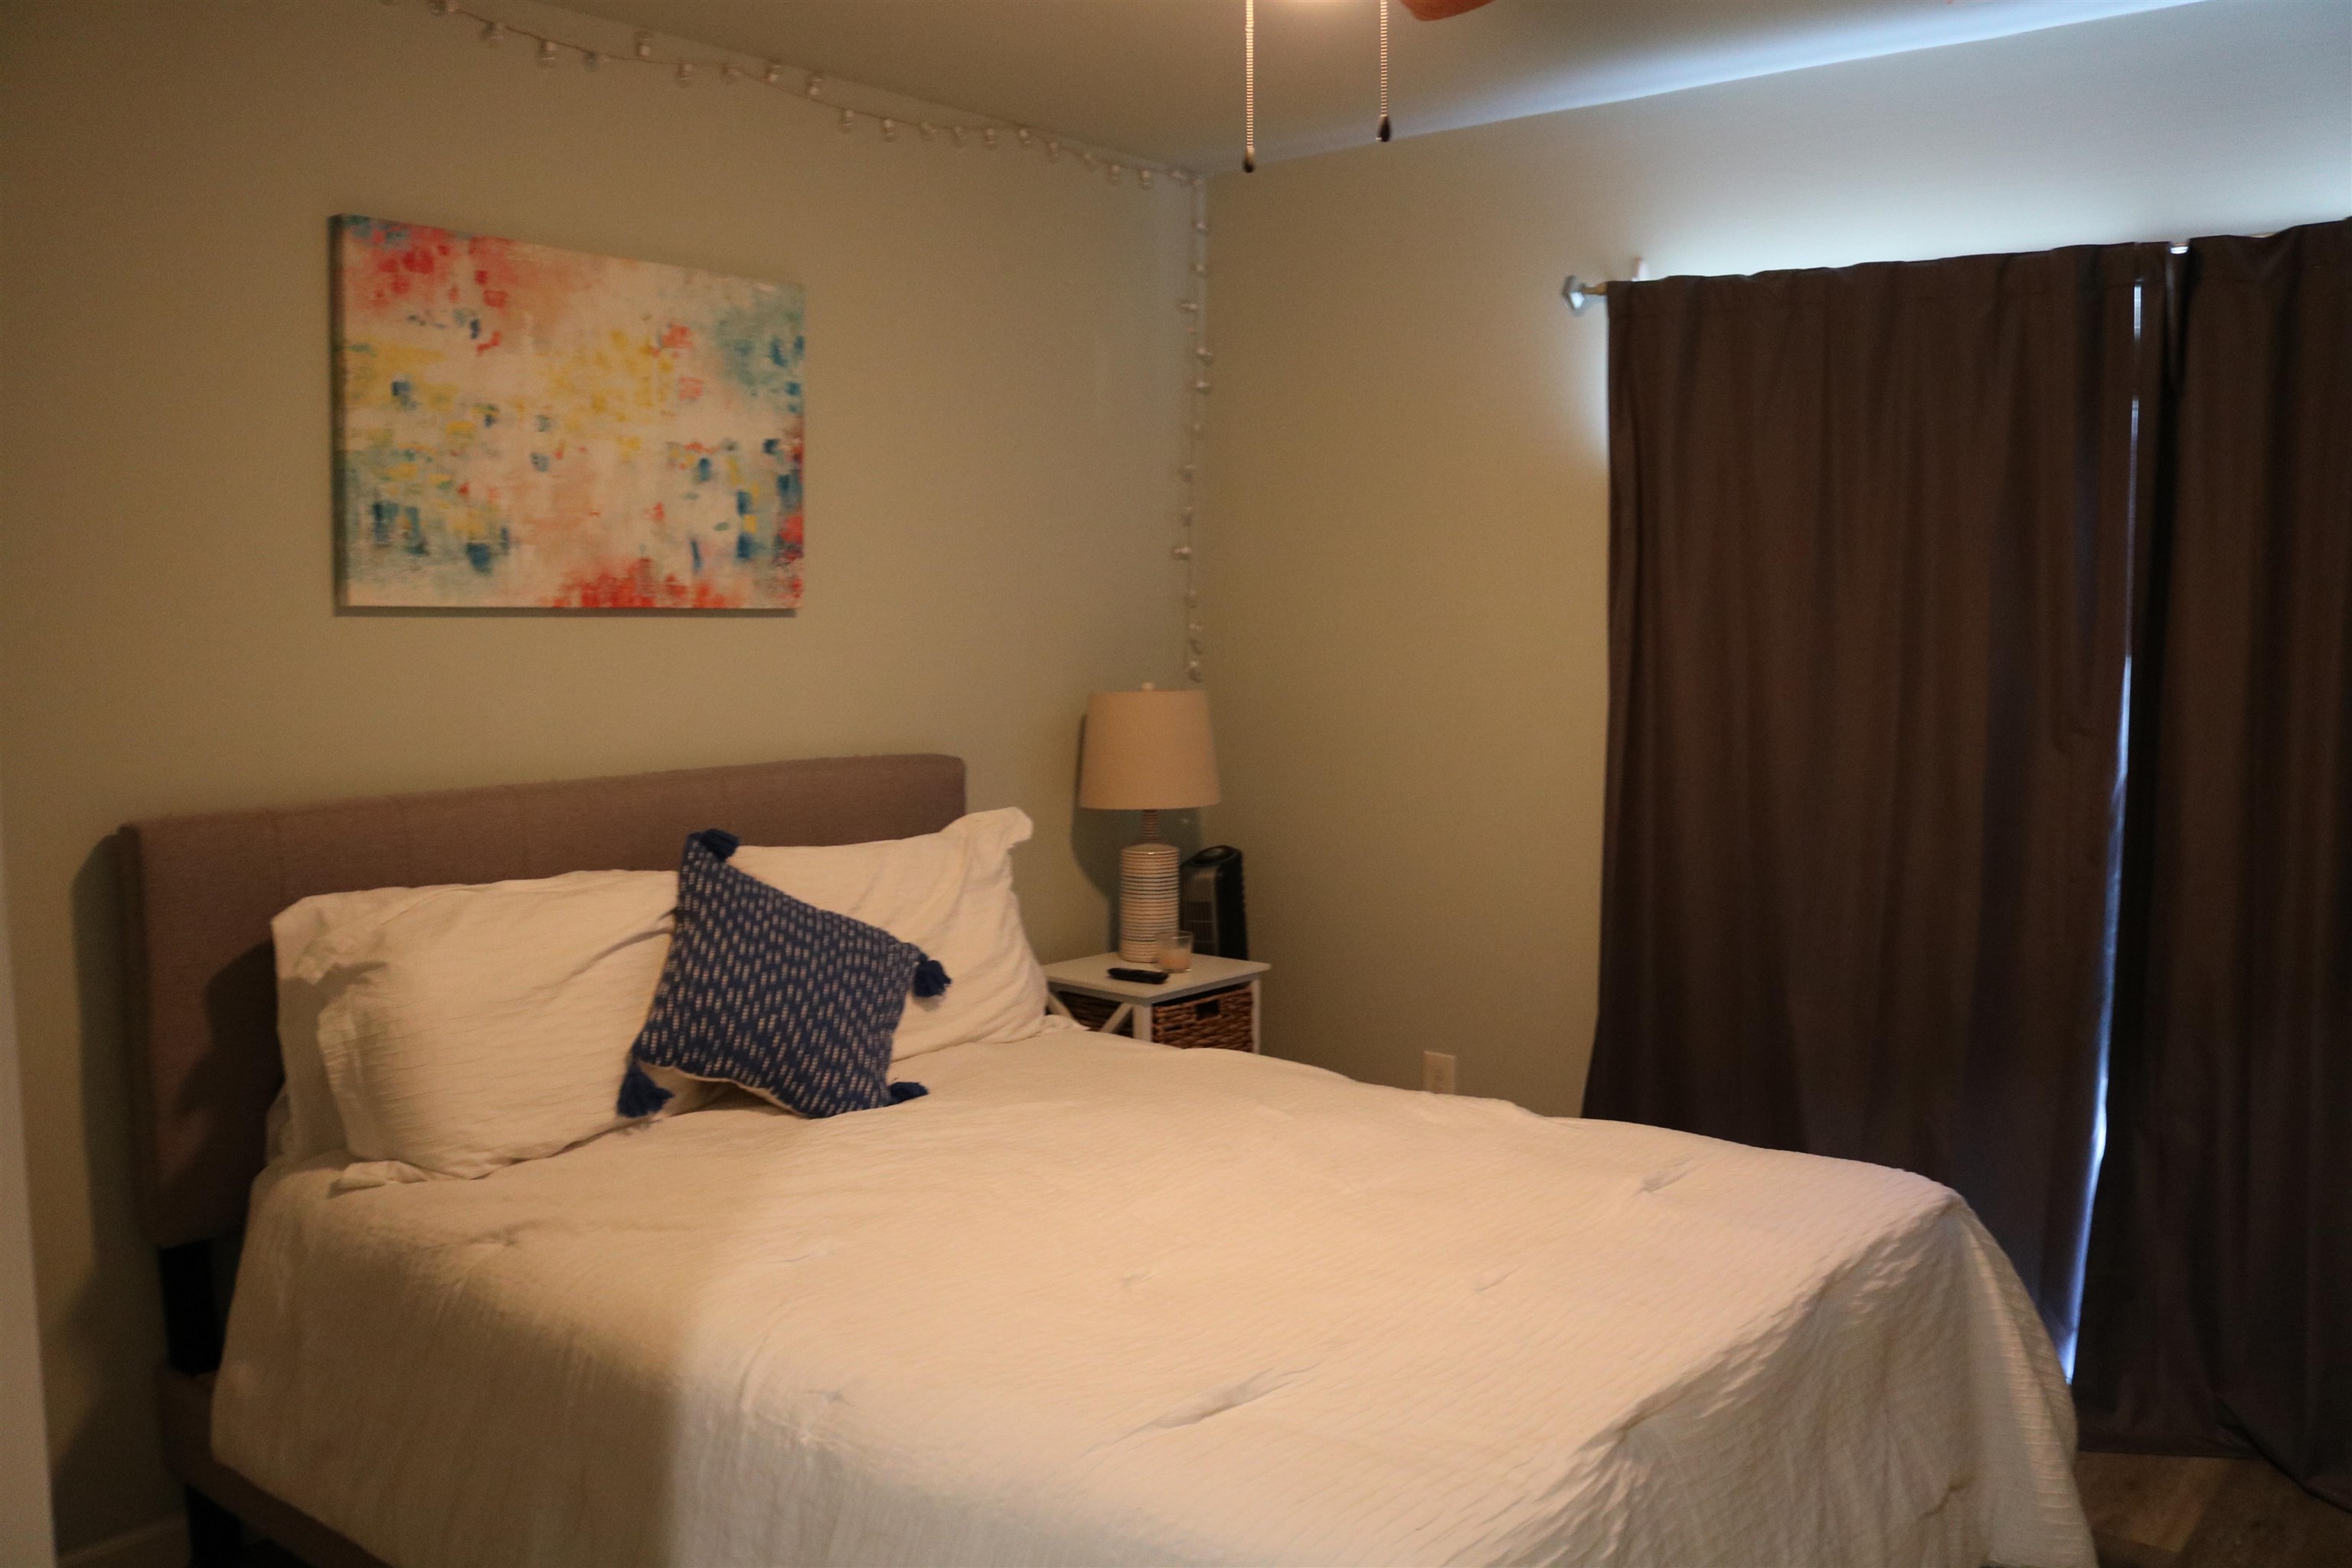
[1871, 557]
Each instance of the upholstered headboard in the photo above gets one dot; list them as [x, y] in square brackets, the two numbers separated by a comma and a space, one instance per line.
[199, 893]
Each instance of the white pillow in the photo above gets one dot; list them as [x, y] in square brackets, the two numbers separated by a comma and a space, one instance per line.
[950, 894]
[310, 1124]
[463, 1028]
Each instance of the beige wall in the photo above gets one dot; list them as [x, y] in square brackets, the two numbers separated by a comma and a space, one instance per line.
[1406, 527]
[25, 1537]
[995, 375]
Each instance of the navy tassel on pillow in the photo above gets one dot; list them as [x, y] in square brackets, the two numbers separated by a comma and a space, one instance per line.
[796, 1004]
[931, 979]
[640, 1094]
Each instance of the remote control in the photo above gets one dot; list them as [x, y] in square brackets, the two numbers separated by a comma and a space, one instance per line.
[1140, 976]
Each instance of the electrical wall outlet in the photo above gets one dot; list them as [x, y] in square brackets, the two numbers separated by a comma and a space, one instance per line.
[1437, 1072]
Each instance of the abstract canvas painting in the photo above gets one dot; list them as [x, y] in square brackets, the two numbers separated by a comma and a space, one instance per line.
[523, 427]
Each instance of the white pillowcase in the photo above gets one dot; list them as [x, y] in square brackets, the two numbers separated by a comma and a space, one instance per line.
[950, 894]
[463, 1028]
[310, 1125]
[457, 1029]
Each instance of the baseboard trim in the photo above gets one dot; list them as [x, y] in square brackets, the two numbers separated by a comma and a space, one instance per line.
[162, 1544]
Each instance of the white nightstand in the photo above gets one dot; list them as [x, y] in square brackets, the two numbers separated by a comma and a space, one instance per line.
[1214, 1002]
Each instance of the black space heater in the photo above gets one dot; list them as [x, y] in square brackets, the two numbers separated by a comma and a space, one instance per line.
[1211, 910]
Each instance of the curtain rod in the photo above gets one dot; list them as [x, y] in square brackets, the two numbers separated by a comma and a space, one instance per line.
[1580, 294]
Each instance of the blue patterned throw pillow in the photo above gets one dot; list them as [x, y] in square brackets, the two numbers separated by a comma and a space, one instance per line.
[791, 1002]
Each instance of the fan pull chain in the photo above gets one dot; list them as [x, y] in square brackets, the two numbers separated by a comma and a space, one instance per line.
[1384, 68]
[1249, 87]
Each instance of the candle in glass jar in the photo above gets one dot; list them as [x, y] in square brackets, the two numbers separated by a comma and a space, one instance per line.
[1176, 952]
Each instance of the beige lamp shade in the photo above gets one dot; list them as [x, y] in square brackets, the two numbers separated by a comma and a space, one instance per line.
[1147, 751]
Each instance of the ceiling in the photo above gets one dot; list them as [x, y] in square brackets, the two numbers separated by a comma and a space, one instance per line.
[1162, 78]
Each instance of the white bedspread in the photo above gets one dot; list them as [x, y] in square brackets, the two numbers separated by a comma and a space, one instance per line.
[1097, 1302]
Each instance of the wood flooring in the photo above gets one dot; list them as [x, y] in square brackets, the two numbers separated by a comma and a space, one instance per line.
[2148, 1512]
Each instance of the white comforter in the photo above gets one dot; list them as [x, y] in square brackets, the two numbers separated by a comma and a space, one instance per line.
[1105, 1303]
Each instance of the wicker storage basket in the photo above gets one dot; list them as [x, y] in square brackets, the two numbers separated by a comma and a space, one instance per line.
[1218, 1019]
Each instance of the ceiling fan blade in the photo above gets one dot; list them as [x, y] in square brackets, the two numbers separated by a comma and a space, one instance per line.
[1438, 10]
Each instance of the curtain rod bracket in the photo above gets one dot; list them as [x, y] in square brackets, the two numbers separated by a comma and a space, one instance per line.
[1579, 293]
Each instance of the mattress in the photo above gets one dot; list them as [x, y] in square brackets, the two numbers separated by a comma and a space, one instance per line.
[1094, 1301]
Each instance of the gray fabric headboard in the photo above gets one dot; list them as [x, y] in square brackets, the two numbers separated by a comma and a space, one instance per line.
[199, 893]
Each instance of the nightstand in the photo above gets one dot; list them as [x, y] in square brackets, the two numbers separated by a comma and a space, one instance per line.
[1214, 1004]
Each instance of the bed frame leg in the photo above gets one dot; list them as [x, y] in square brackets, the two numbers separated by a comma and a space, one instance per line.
[216, 1536]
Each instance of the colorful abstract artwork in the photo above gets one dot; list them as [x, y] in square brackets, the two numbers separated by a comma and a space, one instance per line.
[521, 427]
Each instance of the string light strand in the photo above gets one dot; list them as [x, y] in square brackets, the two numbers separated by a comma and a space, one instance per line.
[548, 49]
[1249, 87]
[1195, 308]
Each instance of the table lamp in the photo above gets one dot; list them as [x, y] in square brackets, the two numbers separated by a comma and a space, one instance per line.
[1147, 750]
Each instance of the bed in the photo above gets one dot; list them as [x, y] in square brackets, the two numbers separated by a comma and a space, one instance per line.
[1088, 1301]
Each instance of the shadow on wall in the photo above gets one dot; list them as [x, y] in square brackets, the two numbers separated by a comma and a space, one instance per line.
[121, 1303]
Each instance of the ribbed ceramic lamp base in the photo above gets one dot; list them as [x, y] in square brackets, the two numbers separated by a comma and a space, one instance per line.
[1146, 899]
